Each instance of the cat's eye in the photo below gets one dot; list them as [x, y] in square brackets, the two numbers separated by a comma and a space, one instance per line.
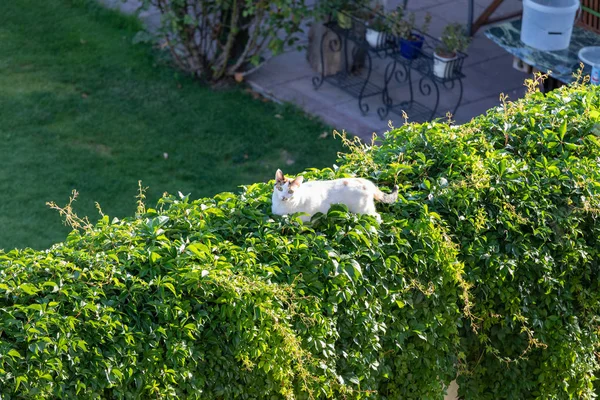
[290, 191]
[279, 188]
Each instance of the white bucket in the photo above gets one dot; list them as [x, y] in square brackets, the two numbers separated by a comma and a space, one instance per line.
[591, 56]
[548, 24]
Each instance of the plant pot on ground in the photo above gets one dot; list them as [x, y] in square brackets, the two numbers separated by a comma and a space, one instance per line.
[410, 40]
[453, 40]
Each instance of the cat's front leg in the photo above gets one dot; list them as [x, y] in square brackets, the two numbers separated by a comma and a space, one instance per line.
[303, 217]
[370, 210]
[375, 214]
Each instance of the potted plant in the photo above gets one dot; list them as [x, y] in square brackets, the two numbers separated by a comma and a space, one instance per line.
[453, 40]
[403, 27]
[347, 11]
[344, 19]
[376, 32]
[377, 27]
[362, 17]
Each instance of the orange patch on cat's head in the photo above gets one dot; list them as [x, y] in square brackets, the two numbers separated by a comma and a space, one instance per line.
[297, 182]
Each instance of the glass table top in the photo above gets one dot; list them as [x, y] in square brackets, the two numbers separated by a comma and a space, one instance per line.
[563, 63]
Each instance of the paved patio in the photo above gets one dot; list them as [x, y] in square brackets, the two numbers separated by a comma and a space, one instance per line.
[288, 77]
[488, 70]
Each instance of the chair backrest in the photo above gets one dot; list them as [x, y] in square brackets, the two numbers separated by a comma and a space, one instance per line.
[590, 15]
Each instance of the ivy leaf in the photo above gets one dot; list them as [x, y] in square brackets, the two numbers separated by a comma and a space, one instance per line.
[154, 257]
[29, 288]
[353, 269]
[199, 249]
[170, 287]
[562, 130]
[14, 353]
[18, 381]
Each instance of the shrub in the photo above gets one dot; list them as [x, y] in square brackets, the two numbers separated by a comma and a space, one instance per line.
[486, 268]
[518, 189]
[216, 39]
[214, 299]
[219, 39]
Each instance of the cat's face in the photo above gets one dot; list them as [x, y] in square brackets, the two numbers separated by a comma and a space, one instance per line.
[285, 188]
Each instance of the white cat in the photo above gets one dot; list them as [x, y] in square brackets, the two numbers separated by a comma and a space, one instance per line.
[291, 196]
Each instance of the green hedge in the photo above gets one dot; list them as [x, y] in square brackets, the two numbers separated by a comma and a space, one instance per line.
[487, 268]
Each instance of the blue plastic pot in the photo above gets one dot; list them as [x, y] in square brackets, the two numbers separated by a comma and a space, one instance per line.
[410, 48]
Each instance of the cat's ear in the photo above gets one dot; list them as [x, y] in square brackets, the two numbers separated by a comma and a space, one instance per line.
[279, 176]
[297, 182]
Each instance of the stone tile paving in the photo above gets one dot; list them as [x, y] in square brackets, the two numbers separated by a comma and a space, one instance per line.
[488, 70]
[288, 77]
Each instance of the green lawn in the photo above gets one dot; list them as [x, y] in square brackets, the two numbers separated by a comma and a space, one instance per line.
[81, 107]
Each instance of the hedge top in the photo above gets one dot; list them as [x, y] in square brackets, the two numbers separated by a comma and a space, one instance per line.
[487, 268]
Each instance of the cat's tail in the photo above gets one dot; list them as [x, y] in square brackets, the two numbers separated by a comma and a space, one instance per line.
[387, 197]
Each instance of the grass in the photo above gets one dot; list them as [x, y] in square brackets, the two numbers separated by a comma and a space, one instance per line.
[82, 107]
